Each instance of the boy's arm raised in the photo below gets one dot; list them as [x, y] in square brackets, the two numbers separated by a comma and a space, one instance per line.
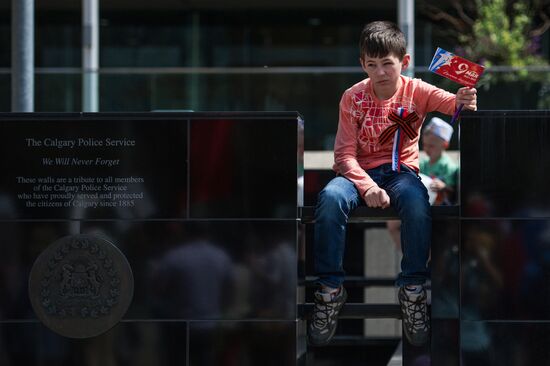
[436, 99]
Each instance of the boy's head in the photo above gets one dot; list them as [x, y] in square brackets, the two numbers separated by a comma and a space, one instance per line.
[436, 137]
[383, 57]
[382, 38]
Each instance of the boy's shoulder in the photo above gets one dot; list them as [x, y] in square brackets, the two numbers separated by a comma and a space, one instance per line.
[358, 87]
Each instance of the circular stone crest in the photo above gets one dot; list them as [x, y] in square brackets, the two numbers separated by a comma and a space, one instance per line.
[81, 286]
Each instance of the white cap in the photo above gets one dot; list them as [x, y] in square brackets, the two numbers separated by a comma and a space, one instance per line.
[440, 128]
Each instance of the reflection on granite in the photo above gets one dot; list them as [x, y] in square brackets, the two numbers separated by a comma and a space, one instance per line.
[253, 178]
[505, 241]
[242, 343]
[504, 343]
[145, 343]
[21, 244]
[182, 269]
[445, 271]
[445, 342]
[505, 266]
[158, 343]
[505, 164]
[443, 348]
[203, 206]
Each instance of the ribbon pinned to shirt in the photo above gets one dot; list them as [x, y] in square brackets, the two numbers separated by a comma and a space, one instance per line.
[403, 122]
[400, 122]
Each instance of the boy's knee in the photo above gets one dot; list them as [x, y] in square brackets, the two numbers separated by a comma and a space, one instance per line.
[331, 193]
[416, 208]
[334, 198]
[336, 191]
[415, 196]
[414, 202]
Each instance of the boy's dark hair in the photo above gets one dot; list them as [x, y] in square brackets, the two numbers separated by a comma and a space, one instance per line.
[380, 38]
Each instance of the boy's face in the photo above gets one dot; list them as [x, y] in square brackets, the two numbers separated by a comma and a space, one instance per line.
[433, 145]
[384, 73]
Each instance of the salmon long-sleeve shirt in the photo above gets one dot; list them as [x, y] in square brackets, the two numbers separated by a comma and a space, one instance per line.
[364, 117]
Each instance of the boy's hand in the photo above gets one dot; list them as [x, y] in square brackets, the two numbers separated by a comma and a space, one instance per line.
[377, 197]
[468, 97]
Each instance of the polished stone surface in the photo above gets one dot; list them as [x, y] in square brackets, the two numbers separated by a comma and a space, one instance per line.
[136, 343]
[81, 286]
[151, 166]
[199, 343]
[182, 269]
[505, 164]
[242, 343]
[210, 232]
[442, 349]
[445, 269]
[504, 343]
[505, 269]
[242, 169]
[504, 241]
[45, 177]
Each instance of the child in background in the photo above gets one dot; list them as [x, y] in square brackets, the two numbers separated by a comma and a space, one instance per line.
[437, 165]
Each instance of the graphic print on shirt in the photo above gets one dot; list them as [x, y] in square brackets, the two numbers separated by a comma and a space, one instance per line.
[372, 119]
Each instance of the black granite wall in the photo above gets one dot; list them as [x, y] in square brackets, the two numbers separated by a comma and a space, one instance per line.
[491, 265]
[212, 199]
[203, 206]
[505, 238]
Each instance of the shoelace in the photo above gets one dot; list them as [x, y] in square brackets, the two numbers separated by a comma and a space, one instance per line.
[416, 309]
[322, 314]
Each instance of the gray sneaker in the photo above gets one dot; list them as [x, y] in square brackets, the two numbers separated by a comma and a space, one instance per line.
[324, 319]
[416, 321]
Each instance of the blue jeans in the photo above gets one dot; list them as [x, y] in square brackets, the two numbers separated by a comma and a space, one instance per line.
[339, 198]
